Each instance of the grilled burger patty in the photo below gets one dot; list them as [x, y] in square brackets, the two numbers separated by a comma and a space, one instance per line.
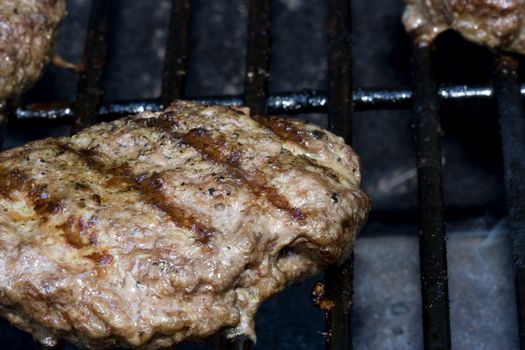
[494, 23]
[27, 30]
[167, 227]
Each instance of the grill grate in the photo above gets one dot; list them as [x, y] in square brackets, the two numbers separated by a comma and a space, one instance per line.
[432, 245]
[338, 103]
[339, 280]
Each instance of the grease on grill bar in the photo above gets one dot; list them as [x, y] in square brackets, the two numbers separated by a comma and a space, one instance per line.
[88, 89]
[432, 239]
[339, 279]
[175, 61]
[512, 125]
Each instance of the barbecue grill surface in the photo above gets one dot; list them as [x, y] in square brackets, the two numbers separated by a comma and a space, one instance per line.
[387, 306]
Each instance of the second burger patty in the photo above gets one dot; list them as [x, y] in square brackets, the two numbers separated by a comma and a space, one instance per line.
[494, 23]
[27, 33]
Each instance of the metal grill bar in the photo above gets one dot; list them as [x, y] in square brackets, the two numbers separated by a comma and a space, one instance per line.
[432, 238]
[339, 94]
[88, 89]
[301, 102]
[257, 56]
[175, 62]
[512, 125]
[339, 280]
[6, 112]
[255, 92]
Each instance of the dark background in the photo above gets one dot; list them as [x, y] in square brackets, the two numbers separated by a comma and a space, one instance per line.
[387, 296]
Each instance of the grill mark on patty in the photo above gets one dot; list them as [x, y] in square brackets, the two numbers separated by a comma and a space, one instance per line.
[286, 131]
[76, 232]
[102, 259]
[149, 188]
[218, 150]
[44, 204]
[283, 129]
[324, 170]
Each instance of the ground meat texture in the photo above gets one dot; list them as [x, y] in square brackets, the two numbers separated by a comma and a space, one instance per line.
[27, 31]
[494, 23]
[168, 227]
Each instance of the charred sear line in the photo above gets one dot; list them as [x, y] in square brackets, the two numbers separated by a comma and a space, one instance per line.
[151, 190]
[78, 233]
[218, 150]
[102, 259]
[44, 204]
[284, 129]
[326, 172]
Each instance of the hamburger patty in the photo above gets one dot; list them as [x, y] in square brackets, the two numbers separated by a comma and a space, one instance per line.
[494, 23]
[27, 31]
[168, 227]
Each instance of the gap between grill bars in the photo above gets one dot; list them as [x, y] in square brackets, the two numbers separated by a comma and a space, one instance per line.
[512, 127]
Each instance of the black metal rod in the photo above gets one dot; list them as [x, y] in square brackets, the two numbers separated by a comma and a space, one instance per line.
[7, 111]
[307, 101]
[88, 89]
[257, 56]
[255, 90]
[3, 126]
[432, 237]
[339, 279]
[339, 93]
[512, 126]
[175, 62]
[339, 283]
